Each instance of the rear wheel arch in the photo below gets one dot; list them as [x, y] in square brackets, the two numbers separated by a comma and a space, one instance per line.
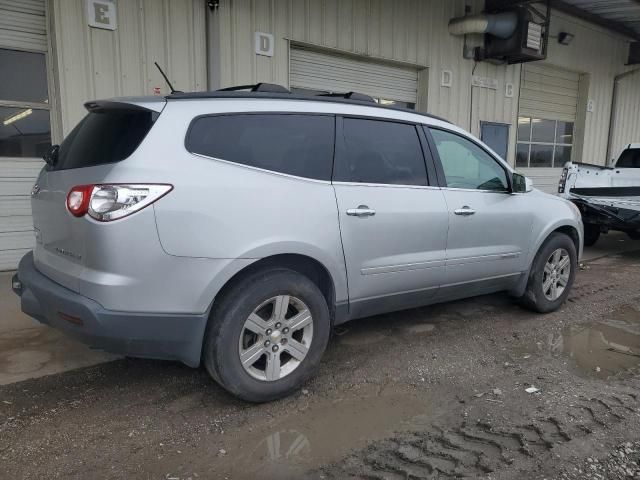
[303, 264]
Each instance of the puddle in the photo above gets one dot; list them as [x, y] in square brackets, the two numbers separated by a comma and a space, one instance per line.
[320, 434]
[606, 347]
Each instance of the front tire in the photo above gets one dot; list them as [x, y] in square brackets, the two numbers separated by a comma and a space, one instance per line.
[267, 335]
[552, 274]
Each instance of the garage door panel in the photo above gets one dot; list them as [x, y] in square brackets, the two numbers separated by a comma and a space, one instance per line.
[16, 186]
[547, 110]
[20, 168]
[553, 98]
[9, 258]
[313, 70]
[16, 223]
[551, 72]
[17, 240]
[538, 88]
[15, 205]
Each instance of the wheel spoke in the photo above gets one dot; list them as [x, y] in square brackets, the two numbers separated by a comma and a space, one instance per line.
[296, 349]
[249, 356]
[548, 268]
[255, 324]
[547, 284]
[273, 366]
[300, 320]
[564, 263]
[554, 290]
[563, 280]
[556, 257]
[280, 308]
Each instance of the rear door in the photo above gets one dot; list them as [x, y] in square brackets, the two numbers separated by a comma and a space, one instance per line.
[393, 223]
[489, 227]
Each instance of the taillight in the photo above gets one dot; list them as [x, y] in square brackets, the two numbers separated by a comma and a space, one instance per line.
[111, 202]
[78, 199]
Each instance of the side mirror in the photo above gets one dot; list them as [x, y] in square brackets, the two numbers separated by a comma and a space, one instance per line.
[521, 184]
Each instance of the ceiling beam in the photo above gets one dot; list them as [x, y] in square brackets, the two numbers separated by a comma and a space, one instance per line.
[596, 19]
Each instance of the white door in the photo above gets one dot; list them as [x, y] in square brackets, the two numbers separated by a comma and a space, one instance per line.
[316, 71]
[24, 121]
[547, 114]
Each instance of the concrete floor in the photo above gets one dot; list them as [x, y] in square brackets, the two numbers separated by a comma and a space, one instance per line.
[30, 350]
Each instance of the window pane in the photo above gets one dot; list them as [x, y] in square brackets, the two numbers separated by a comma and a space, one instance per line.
[543, 130]
[541, 156]
[522, 155]
[299, 145]
[380, 152]
[466, 165]
[562, 156]
[102, 137]
[24, 132]
[524, 129]
[24, 76]
[564, 132]
[630, 158]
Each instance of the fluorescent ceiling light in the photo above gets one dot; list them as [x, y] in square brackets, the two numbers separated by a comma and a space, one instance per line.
[18, 116]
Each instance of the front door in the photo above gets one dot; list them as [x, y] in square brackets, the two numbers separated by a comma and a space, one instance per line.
[489, 227]
[393, 225]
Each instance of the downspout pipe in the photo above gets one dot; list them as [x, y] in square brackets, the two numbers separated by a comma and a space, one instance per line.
[612, 118]
[501, 25]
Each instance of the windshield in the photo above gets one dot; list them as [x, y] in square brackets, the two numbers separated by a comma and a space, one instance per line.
[630, 158]
[104, 136]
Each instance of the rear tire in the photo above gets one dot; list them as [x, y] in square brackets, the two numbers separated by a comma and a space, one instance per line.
[591, 234]
[550, 280]
[251, 320]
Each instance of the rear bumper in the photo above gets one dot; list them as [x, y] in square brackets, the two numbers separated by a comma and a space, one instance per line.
[161, 336]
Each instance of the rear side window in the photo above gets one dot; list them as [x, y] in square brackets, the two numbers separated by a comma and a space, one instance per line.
[104, 136]
[295, 144]
[377, 151]
[630, 158]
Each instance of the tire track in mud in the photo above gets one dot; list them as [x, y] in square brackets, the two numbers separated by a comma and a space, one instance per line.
[476, 448]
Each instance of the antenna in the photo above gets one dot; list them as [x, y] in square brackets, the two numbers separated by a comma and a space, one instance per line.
[173, 90]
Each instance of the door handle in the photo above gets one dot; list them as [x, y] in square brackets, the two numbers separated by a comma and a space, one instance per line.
[465, 211]
[361, 211]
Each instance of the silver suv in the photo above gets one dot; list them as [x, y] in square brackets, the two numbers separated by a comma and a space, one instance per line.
[235, 228]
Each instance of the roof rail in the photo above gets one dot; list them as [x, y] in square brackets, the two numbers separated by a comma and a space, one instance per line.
[349, 96]
[258, 87]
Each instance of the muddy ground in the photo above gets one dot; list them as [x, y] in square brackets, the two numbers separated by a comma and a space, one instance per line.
[437, 392]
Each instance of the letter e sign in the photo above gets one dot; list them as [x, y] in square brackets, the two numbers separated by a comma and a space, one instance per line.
[102, 14]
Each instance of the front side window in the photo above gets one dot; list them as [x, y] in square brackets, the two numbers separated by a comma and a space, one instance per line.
[382, 152]
[25, 130]
[543, 143]
[466, 165]
[295, 144]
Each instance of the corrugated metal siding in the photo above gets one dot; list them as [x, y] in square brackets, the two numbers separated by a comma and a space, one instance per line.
[337, 73]
[415, 31]
[94, 63]
[23, 25]
[627, 114]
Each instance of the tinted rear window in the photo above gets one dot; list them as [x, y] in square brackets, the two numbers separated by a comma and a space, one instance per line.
[104, 136]
[375, 151]
[630, 158]
[295, 144]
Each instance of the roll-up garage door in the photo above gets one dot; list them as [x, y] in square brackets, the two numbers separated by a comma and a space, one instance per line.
[327, 72]
[547, 114]
[24, 121]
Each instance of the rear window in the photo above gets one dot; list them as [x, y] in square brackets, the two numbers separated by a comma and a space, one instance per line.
[296, 144]
[104, 136]
[630, 158]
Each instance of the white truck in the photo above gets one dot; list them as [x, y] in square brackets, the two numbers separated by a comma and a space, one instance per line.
[607, 196]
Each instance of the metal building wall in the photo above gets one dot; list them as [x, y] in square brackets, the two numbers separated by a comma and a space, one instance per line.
[415, 31]
[626, 121]
[94, 63]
